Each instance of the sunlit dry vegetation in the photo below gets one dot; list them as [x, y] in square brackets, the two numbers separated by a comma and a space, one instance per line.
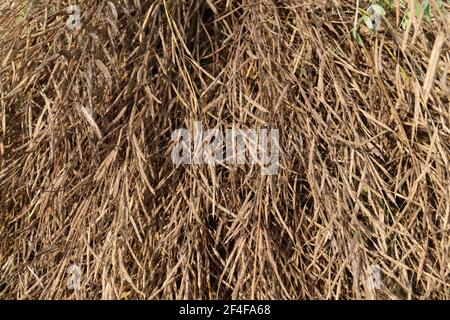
[86, 176]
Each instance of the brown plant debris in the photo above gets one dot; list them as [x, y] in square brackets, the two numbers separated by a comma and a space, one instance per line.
[86, 176]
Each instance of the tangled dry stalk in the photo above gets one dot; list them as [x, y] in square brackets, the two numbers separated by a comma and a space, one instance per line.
[86, 176]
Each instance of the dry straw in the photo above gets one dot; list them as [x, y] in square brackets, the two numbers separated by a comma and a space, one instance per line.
[86, 177]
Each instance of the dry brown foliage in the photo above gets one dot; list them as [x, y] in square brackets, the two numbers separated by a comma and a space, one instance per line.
[86, 176]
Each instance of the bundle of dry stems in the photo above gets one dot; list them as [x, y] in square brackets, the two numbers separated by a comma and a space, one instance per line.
[86, 176]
